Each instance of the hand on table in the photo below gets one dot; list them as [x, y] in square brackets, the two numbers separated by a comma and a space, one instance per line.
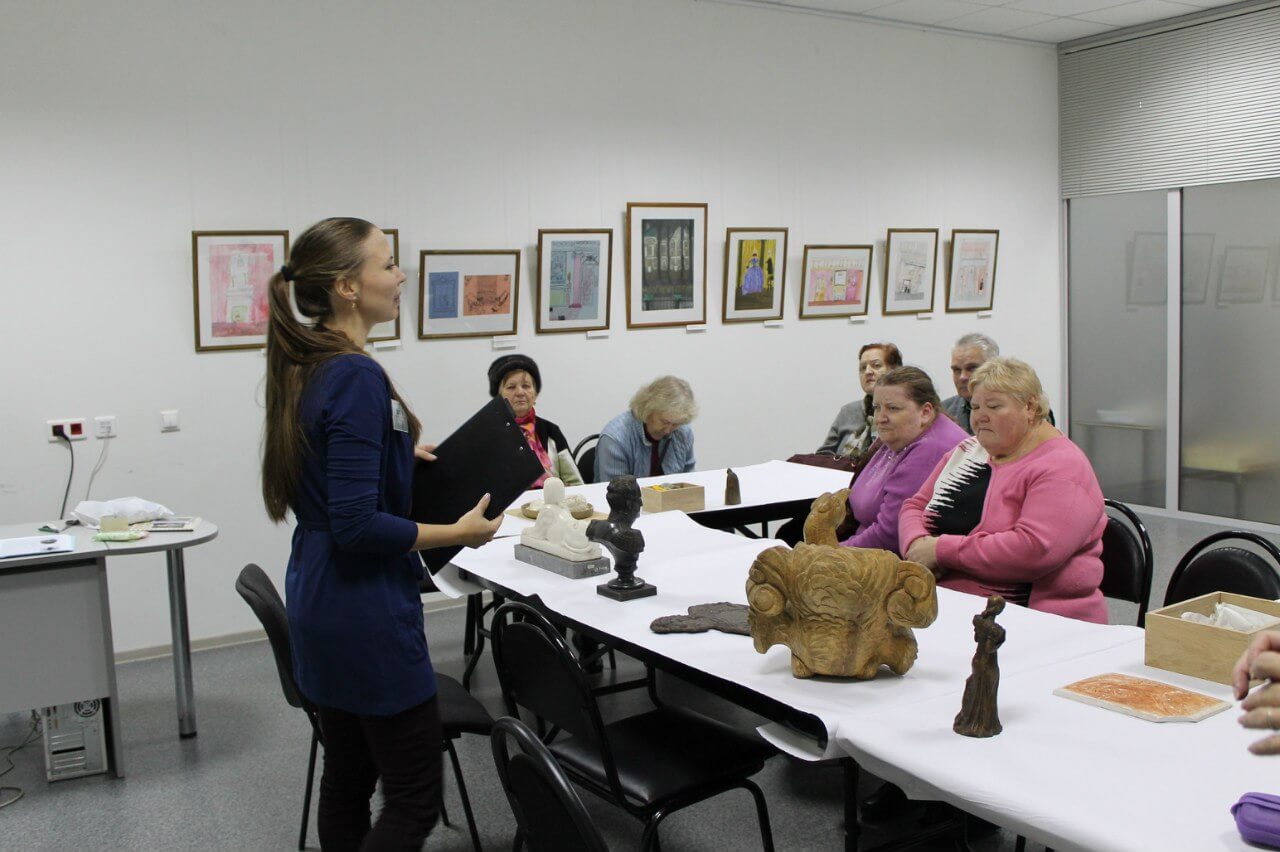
[426, 452]
[1260, 661]
[924, 550]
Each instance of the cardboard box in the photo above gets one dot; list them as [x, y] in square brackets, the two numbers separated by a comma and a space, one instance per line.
[1198, 649]
[684, 496]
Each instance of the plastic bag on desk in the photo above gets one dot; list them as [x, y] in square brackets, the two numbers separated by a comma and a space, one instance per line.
[132, 509]
[1233, 617]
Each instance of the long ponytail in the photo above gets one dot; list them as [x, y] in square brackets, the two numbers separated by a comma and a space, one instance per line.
[326, 251]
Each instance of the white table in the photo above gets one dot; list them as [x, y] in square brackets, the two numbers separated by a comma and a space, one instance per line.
[55, 609]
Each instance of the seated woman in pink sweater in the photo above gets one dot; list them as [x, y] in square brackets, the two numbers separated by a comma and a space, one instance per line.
[1015, 510]
[913, 434]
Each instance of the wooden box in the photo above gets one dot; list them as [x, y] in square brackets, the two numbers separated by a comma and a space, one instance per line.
[1198, 649]
[684, 496]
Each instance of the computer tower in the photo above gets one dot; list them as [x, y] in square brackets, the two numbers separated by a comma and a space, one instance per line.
[75, 739]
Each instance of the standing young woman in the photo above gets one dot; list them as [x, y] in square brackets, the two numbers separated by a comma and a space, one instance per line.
[339, 452]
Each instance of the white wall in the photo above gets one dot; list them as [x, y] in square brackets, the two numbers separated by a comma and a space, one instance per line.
[469, 125]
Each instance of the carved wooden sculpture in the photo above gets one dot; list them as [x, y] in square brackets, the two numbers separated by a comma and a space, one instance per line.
[841, 610]
[829, 519]
[979, 714]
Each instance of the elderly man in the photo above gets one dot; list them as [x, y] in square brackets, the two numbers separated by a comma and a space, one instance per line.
[969, 353]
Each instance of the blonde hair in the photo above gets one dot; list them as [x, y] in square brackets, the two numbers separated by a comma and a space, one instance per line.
[1014, 377]
[665, 395]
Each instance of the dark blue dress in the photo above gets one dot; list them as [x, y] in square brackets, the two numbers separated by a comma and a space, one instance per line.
[355, 616]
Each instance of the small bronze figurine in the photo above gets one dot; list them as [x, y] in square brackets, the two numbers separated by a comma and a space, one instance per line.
[979, 714]
[622, 541]
[732, 489]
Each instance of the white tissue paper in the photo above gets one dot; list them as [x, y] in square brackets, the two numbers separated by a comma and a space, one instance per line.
[133, 509]
[1233, 617]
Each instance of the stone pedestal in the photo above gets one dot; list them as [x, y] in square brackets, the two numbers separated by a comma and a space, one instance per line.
[563, 567]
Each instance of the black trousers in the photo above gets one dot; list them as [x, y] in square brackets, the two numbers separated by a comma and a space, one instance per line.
[404, 752]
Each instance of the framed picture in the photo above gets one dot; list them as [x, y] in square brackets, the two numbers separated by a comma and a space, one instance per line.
[836, 281]
[574, 275]
[666, 264]
[230, 274]
[971, 275]
[911, 258]
[1243, 277]
[468, 292]
[389, 330]
[1197, 259]
[755, 273]
[1148, 269]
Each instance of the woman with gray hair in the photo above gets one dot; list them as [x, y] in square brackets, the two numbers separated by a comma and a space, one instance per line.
[653, 436]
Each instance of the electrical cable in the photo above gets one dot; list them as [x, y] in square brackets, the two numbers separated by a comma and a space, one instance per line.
[62, 513]
[102, 457]
[9, 751]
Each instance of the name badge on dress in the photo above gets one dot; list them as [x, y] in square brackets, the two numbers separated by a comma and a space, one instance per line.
[399, 420]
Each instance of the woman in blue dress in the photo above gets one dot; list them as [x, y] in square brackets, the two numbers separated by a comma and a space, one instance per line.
[753, 279]
[338, 452]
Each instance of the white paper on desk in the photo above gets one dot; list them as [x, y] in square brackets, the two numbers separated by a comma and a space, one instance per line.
[450, 582]
[34, 545]
[792, 742]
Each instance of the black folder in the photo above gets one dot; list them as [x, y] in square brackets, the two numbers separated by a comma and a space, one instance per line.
[487, 454]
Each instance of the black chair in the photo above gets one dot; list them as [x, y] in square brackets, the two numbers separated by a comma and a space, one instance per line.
[1127, 558]
[1206, 569]
[586, 459]
[549, 815]
[460, 713]
[650, 764]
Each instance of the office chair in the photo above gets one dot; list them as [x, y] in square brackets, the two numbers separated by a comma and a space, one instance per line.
[1206, 569]
[1127, 558]
[549, 815]
[459, 712]
[649, 764]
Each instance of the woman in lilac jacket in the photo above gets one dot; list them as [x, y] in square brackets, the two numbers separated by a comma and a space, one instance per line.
[913, 435]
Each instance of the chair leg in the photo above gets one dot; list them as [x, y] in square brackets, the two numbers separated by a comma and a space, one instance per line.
[306, 797]
[462, 793]
[762, 814]
[613, 661]
[649, 840]
[444, 811]
[1020, 845]
[518, 843]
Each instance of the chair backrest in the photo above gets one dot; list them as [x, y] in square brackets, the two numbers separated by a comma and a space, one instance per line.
[537, 671]
[547, 809]
[1206, 569]
[586, 459]
[1127, 558]
[260, 594]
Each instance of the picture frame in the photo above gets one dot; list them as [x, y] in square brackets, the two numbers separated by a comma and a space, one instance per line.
[666, 252]
[755, 274]
[389, 330]
[574, 280]
[1242, 277]
[911, 261]
[468, 292]
[835, 281]
[1197, 263]
[1147, 282]
[230, 274]
[971, 272]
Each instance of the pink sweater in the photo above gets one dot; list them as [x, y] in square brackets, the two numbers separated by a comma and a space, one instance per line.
[1042, 523]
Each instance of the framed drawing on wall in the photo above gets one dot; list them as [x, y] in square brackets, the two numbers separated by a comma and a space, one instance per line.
[911, 258]
[755, 272]
[389, 330]
[230, 274]
[836, 281]
[574, 274]
[1197, 259]
[1148, 269]
[468, 292]
[1243, 277]
[666, 264]
[971, 275]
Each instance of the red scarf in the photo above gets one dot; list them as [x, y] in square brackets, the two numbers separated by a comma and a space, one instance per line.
[535, 443]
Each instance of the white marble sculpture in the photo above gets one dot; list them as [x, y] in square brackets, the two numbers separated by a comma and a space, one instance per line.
[555, 531]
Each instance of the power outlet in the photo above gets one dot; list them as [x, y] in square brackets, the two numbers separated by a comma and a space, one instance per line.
[72, 427]
[104, 427]
[169, 421]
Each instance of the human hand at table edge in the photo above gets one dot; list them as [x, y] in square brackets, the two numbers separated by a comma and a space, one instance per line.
[1244, 669]
[426, 452]
[924, 551]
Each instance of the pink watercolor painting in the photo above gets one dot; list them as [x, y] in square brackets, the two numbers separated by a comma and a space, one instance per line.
[238, 276]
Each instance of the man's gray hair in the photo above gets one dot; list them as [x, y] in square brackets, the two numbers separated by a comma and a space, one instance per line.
[978, 340]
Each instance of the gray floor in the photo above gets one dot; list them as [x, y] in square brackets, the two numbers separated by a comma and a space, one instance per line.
[238, 785]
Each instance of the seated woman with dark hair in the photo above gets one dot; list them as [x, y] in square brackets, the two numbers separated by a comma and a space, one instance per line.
[853, 430]
[914, 435]
[516, 379]
[1015, 510]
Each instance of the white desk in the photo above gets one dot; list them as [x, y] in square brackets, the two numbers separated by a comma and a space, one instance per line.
[55, 612]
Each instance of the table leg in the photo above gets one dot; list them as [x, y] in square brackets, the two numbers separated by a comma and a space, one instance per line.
[851, 828]
[181, 643]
